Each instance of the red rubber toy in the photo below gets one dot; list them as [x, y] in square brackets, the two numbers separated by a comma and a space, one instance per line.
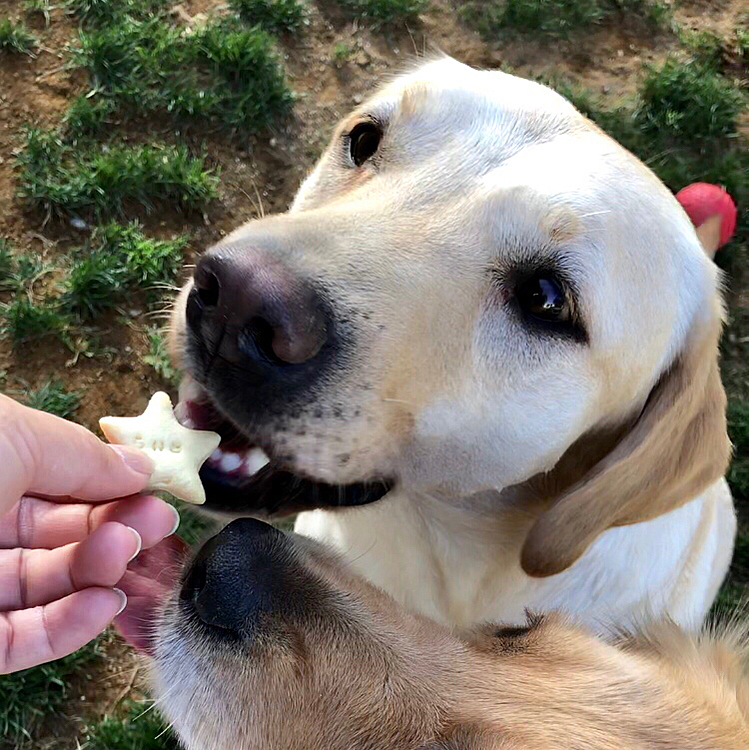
[702, 201]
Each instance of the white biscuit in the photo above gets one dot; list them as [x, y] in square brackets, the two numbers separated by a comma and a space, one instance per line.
[177, 453]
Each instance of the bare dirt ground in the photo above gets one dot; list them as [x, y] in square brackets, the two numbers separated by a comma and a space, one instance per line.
[257, 174]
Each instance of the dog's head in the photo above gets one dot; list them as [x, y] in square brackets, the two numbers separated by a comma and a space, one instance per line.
[475, 288]
[269, 642]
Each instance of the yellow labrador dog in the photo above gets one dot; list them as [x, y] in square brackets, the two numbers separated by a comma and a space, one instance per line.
[480, 354]
[270, 643]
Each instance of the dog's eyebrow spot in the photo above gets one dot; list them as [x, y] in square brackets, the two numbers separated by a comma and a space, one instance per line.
[560, 225]
[413, 99]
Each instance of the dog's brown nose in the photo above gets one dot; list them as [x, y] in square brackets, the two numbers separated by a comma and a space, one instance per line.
[246, 305]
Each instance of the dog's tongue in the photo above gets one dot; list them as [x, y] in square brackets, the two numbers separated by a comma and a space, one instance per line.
[148, 581]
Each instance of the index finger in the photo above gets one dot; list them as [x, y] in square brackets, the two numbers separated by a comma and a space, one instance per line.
[41, 453]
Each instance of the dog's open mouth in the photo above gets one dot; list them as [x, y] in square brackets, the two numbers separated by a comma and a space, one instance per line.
[240, 477]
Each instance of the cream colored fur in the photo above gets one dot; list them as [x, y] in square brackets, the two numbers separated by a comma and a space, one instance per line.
[530, 470]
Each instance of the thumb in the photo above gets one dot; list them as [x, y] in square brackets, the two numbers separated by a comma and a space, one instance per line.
[45, 455]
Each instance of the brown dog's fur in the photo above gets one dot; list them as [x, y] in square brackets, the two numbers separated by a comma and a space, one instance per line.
[336, 664]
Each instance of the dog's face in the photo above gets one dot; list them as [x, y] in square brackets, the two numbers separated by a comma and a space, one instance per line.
[472, 280]
[270, 643]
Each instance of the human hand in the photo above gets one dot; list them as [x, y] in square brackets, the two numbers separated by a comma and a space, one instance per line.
[65, 537]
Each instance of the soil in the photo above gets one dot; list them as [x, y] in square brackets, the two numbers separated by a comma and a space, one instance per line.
[258, 174]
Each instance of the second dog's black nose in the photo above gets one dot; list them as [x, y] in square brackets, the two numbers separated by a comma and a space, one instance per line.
[237, 575]
[247, 306]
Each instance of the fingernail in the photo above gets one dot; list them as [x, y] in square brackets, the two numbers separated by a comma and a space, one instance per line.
[123, 596]
[135, 459]
[138, 540]
[176, 520]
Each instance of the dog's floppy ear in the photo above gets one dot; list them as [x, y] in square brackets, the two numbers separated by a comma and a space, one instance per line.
[676, 447]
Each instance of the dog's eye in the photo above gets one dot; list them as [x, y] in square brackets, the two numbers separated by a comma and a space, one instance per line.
[364, 140]
[544, 298]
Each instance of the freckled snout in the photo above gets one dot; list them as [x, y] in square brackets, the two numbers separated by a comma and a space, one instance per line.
[248, 308]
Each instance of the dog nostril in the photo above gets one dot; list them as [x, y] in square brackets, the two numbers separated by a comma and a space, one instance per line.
[194, 583]
[209, 289]
[257, 337]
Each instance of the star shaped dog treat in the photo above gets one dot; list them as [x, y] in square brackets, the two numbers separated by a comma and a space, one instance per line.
[177, 453]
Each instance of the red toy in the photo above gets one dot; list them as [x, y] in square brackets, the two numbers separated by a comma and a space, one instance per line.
[712, 212]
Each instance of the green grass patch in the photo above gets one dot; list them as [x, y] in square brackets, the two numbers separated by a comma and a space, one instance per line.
[15, 37]
[60, 179]
[741, 44]
[23, 315]
[138, 727]
[36, 693]
[100, 12]
[89, 117]
[38, 8]
[386, 12]
[25, 320]
[341, 53]
[55, 398]
[158, 356]
[556, 18]
[7, 265]
[274, 16]
[223, 73]
[193, 527]
[120, 259]
[687, 101]
[20, 271]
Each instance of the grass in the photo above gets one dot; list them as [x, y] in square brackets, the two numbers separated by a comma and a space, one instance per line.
[386, 12]
[341, 53]
[688, 102]
[274, 16]
[62, 180]
[119, 259]
[138, 727]
[25, 320]
[55, 398]
[158, 356]
[8, 265]
[32, 694]
[100, 12]
[222, 73]
[18, 272]
[15, 37]
[38, 8]
[556, 18]
[89, 117]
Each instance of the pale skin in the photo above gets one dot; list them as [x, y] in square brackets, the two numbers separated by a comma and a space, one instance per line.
[72, 516]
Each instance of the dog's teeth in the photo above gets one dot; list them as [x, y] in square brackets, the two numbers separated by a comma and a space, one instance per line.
[189, 390]
[255, 460]
[230, 462]
[216, 456]
[180, 413]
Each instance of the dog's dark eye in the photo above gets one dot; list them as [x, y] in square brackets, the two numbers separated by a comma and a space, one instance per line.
[544, 298]
[364, 140]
